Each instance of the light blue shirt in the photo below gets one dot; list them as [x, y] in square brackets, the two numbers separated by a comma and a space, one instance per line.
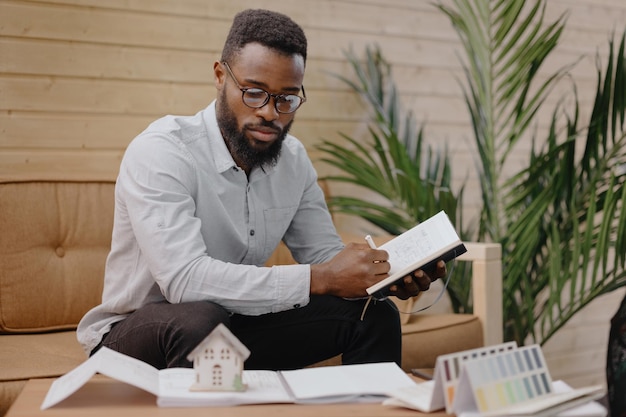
[190, 225]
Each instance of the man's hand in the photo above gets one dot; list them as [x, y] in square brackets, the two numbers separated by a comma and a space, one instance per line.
[420, 280]
[358, 267]
[350, 272]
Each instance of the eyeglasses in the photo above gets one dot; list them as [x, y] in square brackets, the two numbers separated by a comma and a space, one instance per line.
[257, 97]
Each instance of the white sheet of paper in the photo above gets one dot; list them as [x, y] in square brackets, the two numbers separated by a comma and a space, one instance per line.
[355, 382]
[263, 387]
[419, 397]
[107, 362]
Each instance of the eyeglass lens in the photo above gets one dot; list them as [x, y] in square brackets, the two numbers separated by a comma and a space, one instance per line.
[256, 97]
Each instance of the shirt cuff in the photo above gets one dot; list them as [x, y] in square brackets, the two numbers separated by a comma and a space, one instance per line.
[293, 287]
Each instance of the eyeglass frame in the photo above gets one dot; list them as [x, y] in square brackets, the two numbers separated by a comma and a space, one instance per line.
[268, 95]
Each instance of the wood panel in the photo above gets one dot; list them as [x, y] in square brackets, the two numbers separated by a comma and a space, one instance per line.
[97, 25]
[46, 164]
[80, 59]
[50, 130]
[182, 32]
[117, 62]
[402, 18]
[360, 15]
[577, 353]
[39, 130]
[59, 94]
[101, 96]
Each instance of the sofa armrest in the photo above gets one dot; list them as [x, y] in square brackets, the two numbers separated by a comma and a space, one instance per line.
[486, 261]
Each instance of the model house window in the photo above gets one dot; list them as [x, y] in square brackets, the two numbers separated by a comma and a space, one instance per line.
[225, 354]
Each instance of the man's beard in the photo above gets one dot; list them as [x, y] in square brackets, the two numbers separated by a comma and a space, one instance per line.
[239, 145]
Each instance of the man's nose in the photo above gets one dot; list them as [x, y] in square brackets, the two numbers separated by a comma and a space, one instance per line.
[268, 112]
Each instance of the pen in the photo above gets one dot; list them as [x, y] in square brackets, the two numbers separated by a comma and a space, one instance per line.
[370, 241]
[372, 245]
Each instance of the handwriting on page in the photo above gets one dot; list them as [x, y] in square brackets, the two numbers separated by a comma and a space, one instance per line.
[263, 379]
[403, 252]
[420, 246]
[421, 242]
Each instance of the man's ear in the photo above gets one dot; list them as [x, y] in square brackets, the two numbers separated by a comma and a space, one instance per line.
[219, 75]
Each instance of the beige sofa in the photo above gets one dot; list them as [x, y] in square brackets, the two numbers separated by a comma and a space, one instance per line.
[54, 238]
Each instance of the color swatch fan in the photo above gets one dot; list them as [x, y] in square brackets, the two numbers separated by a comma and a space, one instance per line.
[516, 383]
[499, 380]
[440, 392]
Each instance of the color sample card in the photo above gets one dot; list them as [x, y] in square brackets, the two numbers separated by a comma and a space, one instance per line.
[507, 378]
[495, 380]
[448, 368]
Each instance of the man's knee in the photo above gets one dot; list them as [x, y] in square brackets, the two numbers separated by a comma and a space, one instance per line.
[197, 319]
[191, 324]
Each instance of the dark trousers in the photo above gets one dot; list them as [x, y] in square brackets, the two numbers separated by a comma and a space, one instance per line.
[163, 334]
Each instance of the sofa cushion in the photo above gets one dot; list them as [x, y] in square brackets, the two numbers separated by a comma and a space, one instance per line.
[54, 241]
[35, 356]
[44, 355]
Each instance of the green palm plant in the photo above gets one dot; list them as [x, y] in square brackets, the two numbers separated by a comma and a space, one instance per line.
[412, 180]
[394, 164]
[561, 220]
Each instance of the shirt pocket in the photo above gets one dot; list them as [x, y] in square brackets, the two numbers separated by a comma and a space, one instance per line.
[277, 221]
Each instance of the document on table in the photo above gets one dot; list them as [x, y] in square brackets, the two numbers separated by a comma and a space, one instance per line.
[347, 383]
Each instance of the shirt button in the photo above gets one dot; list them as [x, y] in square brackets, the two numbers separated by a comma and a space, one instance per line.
[252, 232]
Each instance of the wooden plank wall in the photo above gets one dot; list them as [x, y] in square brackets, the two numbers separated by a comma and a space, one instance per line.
[80, 78]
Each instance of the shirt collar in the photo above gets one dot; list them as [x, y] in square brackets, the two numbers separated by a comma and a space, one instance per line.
[221, 156]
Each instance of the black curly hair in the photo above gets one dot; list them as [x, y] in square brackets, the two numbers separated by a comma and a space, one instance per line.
[271, 29]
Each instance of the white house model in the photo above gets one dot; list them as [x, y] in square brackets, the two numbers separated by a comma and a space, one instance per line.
[218, 362]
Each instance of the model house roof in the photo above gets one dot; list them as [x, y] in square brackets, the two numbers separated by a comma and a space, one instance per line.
[221, 331]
